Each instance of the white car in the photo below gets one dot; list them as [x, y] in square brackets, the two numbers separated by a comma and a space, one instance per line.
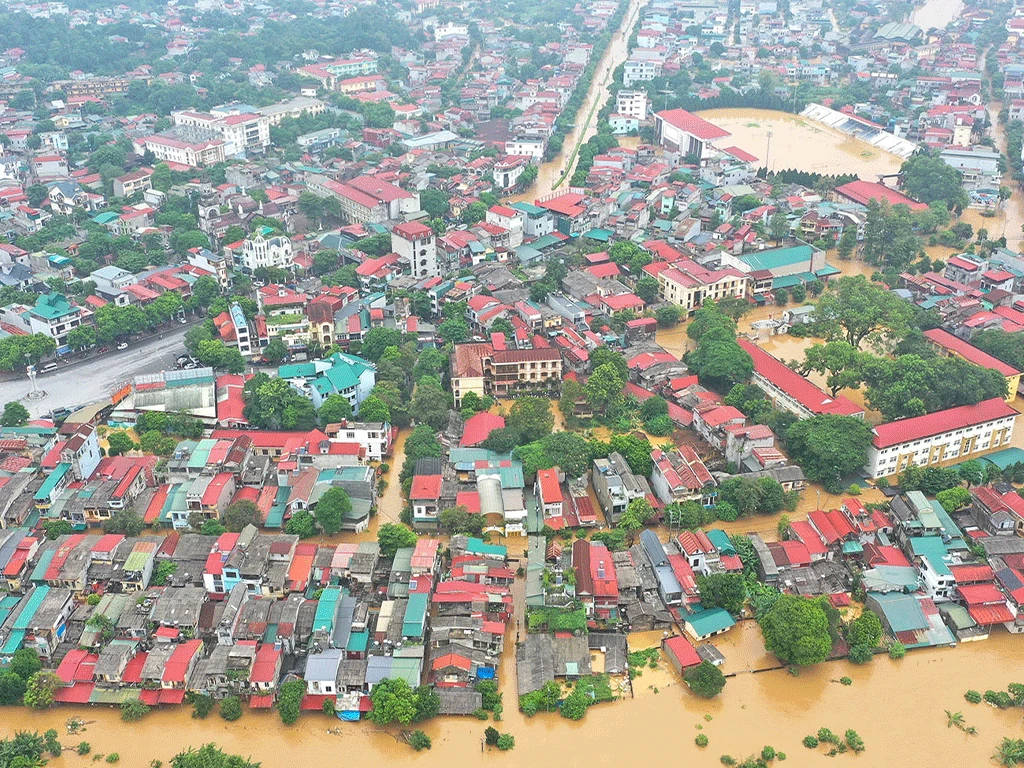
[123, 345]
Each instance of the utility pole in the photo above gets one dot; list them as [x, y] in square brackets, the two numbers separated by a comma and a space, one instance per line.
[768, 153]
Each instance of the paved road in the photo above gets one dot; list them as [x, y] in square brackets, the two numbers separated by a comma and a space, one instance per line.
[93, 380]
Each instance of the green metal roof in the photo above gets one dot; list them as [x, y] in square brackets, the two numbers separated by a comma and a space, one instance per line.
[52, 306]
[902, 612]
[934, 550]
[323, 621]
[529, 209]
[709, 621]
[39, 572]
[774, 258]
[415, 615]
[51, 481]
[601, 235]
[358, 642]
[722, 542]
[32, 603]
[480, 547]
[275, 517]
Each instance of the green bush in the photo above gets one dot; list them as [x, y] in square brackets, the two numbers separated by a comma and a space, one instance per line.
[973, 697]
[861, 654]
[419, 740]
[854, 741]
[83, 748]
[480, 714]
[133, 711]
[202, 705]
[810, 742]
[491, 736]
[506, 742]
[897, 650]
[768, 753]
[1001, 699]
[844, 680]
[701, 740]
[113, 757]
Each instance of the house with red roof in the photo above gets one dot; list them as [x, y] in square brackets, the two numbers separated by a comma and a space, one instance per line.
[682, 476]
[955, 434]
[863, 192]
[425, 498]
[680, 652]
[478, 428]
[998, 512]
[548, 489]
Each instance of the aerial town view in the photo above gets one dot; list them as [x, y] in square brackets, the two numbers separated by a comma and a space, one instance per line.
[551, 382]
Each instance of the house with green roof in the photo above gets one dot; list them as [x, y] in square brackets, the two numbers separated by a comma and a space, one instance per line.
[704, 624]
[340, 374]
[52, 315]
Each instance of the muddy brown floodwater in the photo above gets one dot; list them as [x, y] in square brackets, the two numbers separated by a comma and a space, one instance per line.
[800, 144]
[897, 707]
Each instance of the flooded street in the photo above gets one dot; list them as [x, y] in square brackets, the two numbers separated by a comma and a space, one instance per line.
[801, 144]
[551, 173]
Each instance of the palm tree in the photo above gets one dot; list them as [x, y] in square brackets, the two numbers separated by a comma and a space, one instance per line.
[954, 719]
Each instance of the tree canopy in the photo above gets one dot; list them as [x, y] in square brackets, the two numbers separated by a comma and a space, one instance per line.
[829, 447]
[796, 630]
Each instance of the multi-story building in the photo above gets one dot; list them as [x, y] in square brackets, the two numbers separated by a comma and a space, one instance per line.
[946, 344]
[242, 132]
[415, 244]
[331, 73]
[133, 183]
[293, 108]
[192, 152]
[366, 199]
[682, 476]
[631, 104]
[52, 315]
[480, 368]
[615, 485]
[940, 438]
[790, 391]
[687, 284]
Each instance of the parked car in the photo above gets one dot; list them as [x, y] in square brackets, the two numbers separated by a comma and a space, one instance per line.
[122, 345]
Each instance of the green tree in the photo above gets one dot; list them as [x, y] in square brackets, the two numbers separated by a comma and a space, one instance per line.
[209, 756]
[392, 536]
[953, 499]
[335, 409]
[301, 524]
[12, 688]
[240, 514]
[418, 740]
[394, 701]
[430, 405]
[927, 177]
[829, 447]
[455, 520]
[530, 418]
[709, 316]
[840, 360]
[126, 522]
[865, 630]
[289, 701]
[40, 689]
[506, 742]
[858, 311]
[373, 409]
[796, 630]
[331, 509]
[119, 443]
[133, 711]
[231, 708]
[604, 388]
[719, 361]
[647, 289]
[668, 316]
[15, 415]
[275, 352]
[778, 225]
[723, 590]
[706, 680]
[847, 243]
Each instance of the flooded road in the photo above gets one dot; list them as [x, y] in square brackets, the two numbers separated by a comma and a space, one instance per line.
[551, 173]
[800, 144]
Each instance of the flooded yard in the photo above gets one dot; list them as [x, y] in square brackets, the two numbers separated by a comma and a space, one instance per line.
[800, 144]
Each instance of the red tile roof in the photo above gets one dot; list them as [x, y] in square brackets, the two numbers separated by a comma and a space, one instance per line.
[693, 124]
[682, 650]
[803, 391]
[864, 191]
[917, 427]
[968, 352]
[478, 427]
[425, 488]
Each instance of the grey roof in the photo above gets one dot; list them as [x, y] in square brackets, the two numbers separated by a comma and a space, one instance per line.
[455, 701]
[323, 666]
[614, 646]
[179, 606]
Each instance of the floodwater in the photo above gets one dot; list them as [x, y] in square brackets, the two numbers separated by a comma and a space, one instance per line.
[937, 14]
[551, 173]
[800, 144]
[897, 707]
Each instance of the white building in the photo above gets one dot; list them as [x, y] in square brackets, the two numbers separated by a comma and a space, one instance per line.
[631, 104]
[193, 153]
[686, 133]
[258, 251]
[416, 245]
[526, 147]
[242, 132]
[955, 434]
[510, 219]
